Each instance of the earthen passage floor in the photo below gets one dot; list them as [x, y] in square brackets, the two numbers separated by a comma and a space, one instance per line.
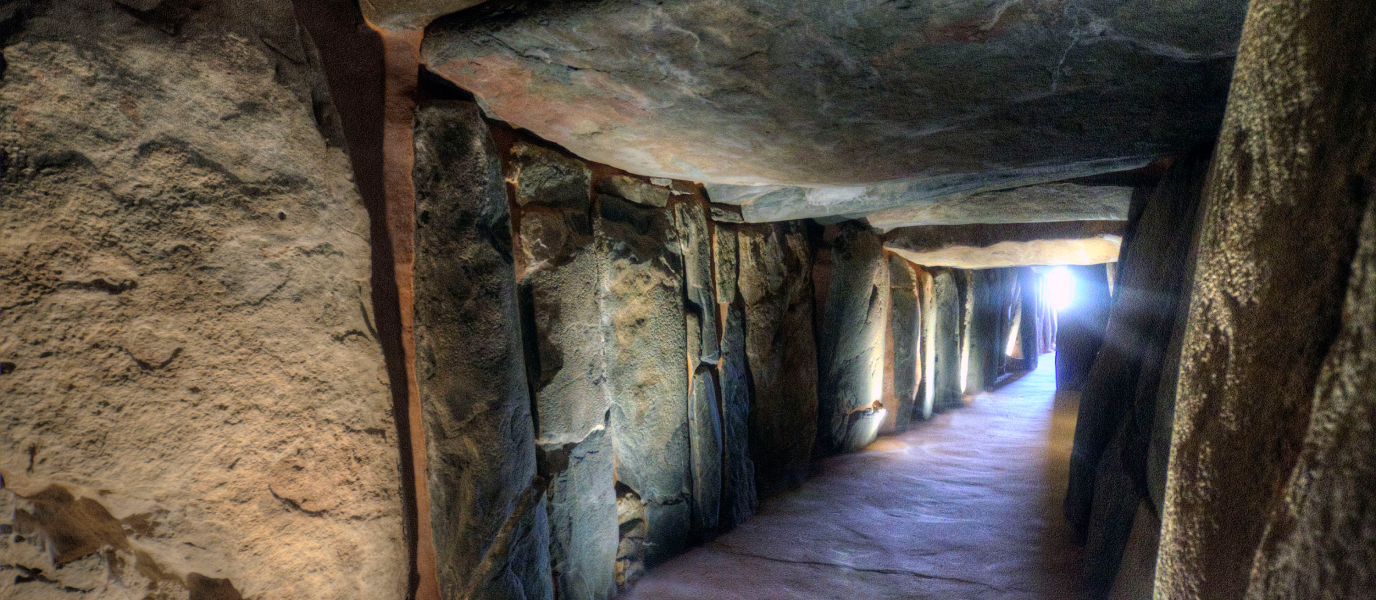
[966, 505]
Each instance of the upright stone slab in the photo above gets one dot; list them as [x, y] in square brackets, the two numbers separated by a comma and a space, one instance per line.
[557, 265]
[738, 499]
[1080, 326]
[904, 337]
[486, 506]
[946, 340]
[1031, 307]
[926, 386]
[1274, 383]
[193, 400]
[690, 217]
[989, 303]
[705, 444]
[851, 347]
[775, 284]
[647, 376]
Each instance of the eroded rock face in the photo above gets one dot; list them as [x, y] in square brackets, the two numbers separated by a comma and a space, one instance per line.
[195, 402]
[946, 319]
[738, 499]
[705, 444]
[690, 217]
[1043, 203]
[487, 508]
[990, 301]
[850, 348]
[559, 265]
[947, 96]
[903, 337]
[1009, 245]
[1280, 227]
[647, 369]
[775, 283]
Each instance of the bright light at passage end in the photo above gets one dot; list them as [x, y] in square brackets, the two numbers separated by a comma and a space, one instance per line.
[1060, 288]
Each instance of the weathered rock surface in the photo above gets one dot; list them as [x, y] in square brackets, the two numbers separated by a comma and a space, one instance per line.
[1044, 203]
[647, 370]
[705, 444]
[195, 402]
[764, 92]
[926, 389]
[903, 338]
[635, 190]
[850, 347]
[1080, 326]
[696, 244]
[738, 498]
[1279, 229]
[487, 509]
[548, 178]
[558, 267]
[946, 340]
[994, 246]
[775, 283]
[1131, 381]
[990, 301]
[1023, 196]
[410, 14]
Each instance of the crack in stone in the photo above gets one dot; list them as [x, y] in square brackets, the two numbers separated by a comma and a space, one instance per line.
[727, 550]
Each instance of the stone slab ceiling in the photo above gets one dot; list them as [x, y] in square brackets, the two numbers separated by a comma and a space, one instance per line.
[927, 97]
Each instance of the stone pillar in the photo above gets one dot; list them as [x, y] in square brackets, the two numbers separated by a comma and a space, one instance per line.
[487, 508]
[775, 284]
[1030, 321]
[1080, 326]
[643, 315]
[946, 339]
[926, 389]
[987, 323]
[1271, 471]
[901, 349]
[851, 347]
[188, 347]
[738, 498]
[703, 352]
[557, 265]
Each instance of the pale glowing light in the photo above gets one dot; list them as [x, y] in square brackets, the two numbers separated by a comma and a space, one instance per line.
[1060, 288]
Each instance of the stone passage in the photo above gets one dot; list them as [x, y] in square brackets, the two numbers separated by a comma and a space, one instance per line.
[966, 505]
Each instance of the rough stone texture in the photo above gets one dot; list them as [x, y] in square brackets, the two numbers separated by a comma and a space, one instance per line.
[409, 14]
[958, 95]
[1321, 541]
[903, 338]
[738, 498]
[705, 444]
[775, 283]
[635, 190]
[1032, 204]
[699, 286]
[195, 402]
[647, 369]
[1080, 326]
[991, 297]
[942, 200]
[558, 265]
[1289, 183]
[1127, 385]
[994, 246]
[946, 319]
[487, 508]
[850, 348]
[1031, 322]
[548, 178]
[926, 390]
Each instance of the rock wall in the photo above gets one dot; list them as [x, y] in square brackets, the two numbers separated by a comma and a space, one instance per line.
[902, 354]
[195, 400]
[1129, 383]
[488, 510]
[850, 348]
[1080, 326]
[775, 284]
[991, 297]
[945, 346]
[1269, 489]
[558, 265]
